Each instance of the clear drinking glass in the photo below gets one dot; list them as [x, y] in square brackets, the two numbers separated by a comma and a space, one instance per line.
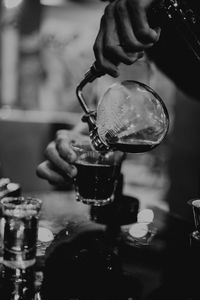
[98, 173]
[21, 216]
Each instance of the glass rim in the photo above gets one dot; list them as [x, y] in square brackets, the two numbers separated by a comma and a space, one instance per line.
[8, 202]
[190, 202]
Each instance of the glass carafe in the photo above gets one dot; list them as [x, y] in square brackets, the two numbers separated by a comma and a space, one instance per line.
[130, 117]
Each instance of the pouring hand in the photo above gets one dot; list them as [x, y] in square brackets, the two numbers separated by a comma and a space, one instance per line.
[124, 34]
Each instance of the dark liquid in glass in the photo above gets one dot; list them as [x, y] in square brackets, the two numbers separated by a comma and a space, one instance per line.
[96, 177]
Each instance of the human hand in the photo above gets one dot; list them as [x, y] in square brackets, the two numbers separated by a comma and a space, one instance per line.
[58, 168]
[124, 34]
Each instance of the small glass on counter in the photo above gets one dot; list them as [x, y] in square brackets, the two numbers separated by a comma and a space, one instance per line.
[20, 232]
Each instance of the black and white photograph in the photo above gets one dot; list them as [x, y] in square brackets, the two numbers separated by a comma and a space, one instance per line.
[99, 149]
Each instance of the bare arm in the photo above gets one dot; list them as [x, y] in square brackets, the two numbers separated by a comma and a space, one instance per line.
[58, 168]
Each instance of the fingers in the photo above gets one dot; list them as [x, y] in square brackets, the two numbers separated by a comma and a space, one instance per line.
[63, 146]
[108, 51]
[124, 34]
[59, 168]
[64, 167]
[99, 51]
[113, 49]
[128, 27]
[138, 15]
[45, 171]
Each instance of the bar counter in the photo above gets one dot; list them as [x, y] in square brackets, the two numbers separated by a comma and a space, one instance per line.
[160, 270]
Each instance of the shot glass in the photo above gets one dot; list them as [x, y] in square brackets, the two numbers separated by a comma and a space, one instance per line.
[98, 173]
[20, 231]
[195, 204]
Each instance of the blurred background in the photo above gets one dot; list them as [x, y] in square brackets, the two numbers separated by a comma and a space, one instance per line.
[45, 49]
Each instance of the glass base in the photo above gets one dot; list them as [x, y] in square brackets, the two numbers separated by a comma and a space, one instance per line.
[19, 264]
[196, 235]
[94, 202]
[139, 236]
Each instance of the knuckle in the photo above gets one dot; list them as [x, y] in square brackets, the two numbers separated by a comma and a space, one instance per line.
[48, 150]
[40, 171]
[133, 46]
[143, 32]
[72, 172]
[145, 35]
[128, 44]
[130, 61]
[63, 151]
[59, 133]
[109, 48]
